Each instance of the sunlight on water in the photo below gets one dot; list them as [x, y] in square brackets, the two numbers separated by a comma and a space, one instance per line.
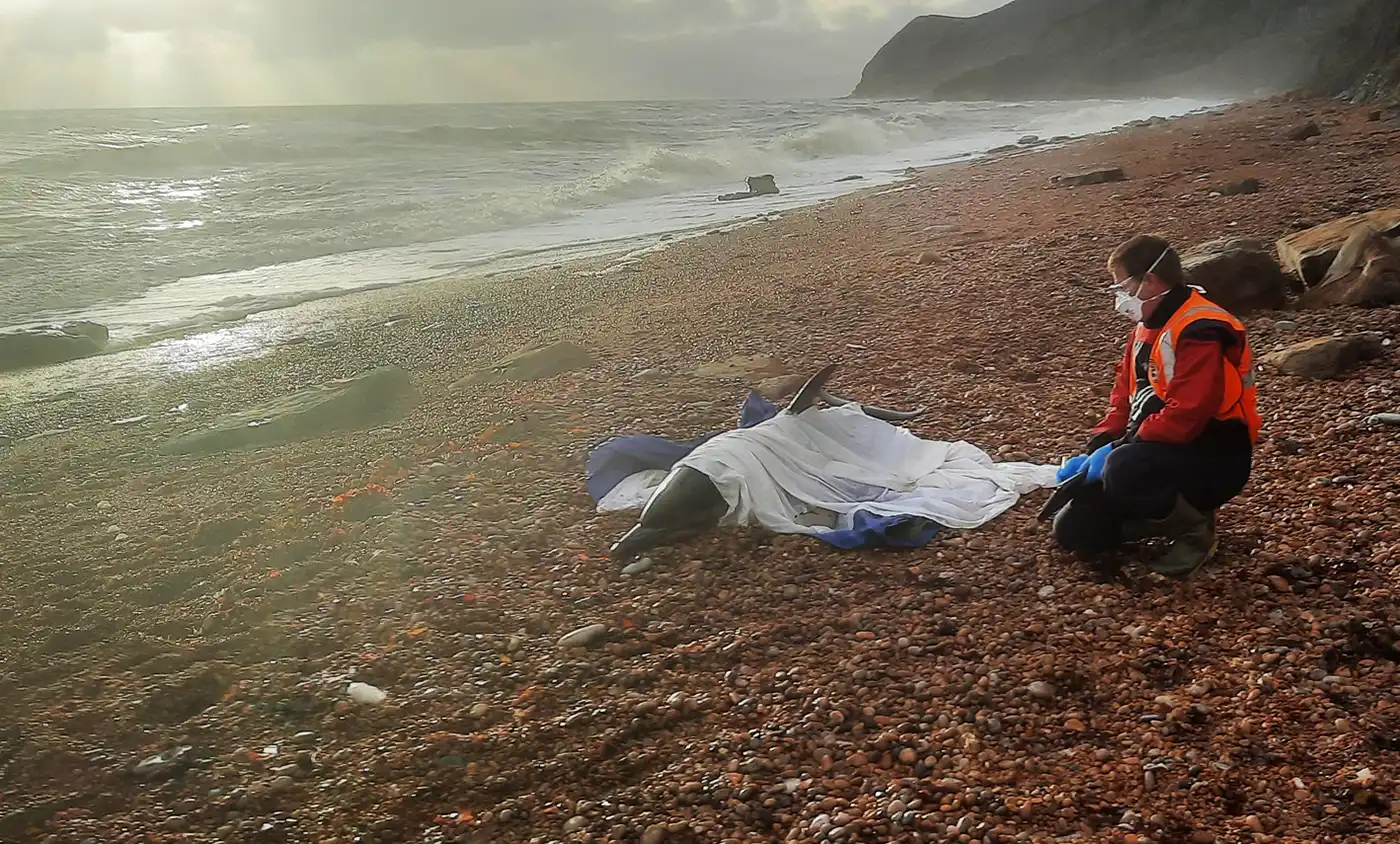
[202, 351]
[172, 223]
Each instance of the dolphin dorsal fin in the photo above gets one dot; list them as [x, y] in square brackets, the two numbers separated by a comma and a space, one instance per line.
[811, 391]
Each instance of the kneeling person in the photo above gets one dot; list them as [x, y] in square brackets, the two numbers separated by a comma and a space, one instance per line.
[1178, 440]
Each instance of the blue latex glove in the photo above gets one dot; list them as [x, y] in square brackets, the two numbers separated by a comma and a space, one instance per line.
[1096, 462]
[1071, 468]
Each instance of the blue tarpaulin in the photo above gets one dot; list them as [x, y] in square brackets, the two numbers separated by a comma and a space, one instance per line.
[618, 458]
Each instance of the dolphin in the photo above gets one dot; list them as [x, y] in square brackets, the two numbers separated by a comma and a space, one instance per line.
[687, 503]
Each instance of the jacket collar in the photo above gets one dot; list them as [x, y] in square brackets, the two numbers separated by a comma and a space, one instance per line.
[1167, 306]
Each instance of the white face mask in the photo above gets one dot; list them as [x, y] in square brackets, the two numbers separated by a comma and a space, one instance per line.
[1128, 304]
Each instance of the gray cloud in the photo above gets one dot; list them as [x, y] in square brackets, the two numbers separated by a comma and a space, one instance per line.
[332, 24]
[250, 51]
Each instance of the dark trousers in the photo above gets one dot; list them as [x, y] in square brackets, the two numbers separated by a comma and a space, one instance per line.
[1141, 481]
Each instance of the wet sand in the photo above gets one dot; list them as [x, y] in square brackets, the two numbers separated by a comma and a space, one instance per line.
[750, 687]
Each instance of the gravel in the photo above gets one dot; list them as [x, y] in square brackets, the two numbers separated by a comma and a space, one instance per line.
[751, 687]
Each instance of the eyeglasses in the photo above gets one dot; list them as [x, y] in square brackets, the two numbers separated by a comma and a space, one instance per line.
[1139, 279]
[1122, 286]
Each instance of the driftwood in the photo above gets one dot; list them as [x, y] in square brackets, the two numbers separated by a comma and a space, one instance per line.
[1366, 272]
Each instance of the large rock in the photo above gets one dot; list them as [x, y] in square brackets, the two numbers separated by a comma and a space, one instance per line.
[1240, 276]
[378, 397]
[1304, 131]
[1326, 357]
[1245, 187]
[747, 367]
[50, 344]
[764, 185]
[1089, 177]
[534, 364]
[1365, 273]
[1309, 254]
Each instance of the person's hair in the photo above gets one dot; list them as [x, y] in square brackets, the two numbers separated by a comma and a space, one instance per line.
[1137, 255]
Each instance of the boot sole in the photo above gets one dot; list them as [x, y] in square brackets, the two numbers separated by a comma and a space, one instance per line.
[1205, 558]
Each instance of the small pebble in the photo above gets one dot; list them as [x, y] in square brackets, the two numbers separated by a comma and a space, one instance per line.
[584, 637]
[643, 565]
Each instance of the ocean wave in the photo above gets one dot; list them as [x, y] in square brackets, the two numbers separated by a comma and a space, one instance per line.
[162, 150]
[104, 206]
[861, 134]
[575, 131]
[650, 171]
[161, 156]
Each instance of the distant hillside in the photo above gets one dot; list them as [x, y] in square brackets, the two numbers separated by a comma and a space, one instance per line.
[1054, 49]
[1363, 60]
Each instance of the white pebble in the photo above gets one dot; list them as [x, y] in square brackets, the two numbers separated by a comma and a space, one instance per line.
[365, 693]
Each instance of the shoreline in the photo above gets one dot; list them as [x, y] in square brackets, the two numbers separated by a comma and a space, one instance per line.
[230, 310]
[749, 685]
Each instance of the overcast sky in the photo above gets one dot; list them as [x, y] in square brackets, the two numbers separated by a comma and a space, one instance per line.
[119, 53]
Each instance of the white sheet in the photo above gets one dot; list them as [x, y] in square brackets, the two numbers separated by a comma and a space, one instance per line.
[804, 474]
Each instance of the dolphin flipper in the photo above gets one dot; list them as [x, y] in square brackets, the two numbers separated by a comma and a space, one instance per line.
[874, 412]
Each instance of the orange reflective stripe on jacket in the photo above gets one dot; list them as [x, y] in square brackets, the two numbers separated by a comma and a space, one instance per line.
[1239, 401]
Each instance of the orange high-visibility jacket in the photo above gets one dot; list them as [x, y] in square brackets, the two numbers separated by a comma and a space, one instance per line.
[1239, 400]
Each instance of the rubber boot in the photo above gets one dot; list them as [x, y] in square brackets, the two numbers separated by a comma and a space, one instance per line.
[1136, 530]
[1193, 540]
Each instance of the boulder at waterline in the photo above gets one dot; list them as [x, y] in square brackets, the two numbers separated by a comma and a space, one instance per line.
[1239, 275]
[534, 364]
[1365, 273]
[378, 397]
[50, 344]
[1326, 357]
[1309, 254]
[764, 185]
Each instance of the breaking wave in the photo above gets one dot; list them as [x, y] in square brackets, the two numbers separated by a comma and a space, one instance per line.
[100, 207]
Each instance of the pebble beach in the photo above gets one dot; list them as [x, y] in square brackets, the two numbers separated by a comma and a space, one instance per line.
[181, 632]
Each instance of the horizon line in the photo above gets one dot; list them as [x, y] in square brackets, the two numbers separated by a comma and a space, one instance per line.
[429, 103]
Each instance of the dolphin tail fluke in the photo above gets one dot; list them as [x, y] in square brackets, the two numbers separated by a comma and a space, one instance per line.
[811, 391]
